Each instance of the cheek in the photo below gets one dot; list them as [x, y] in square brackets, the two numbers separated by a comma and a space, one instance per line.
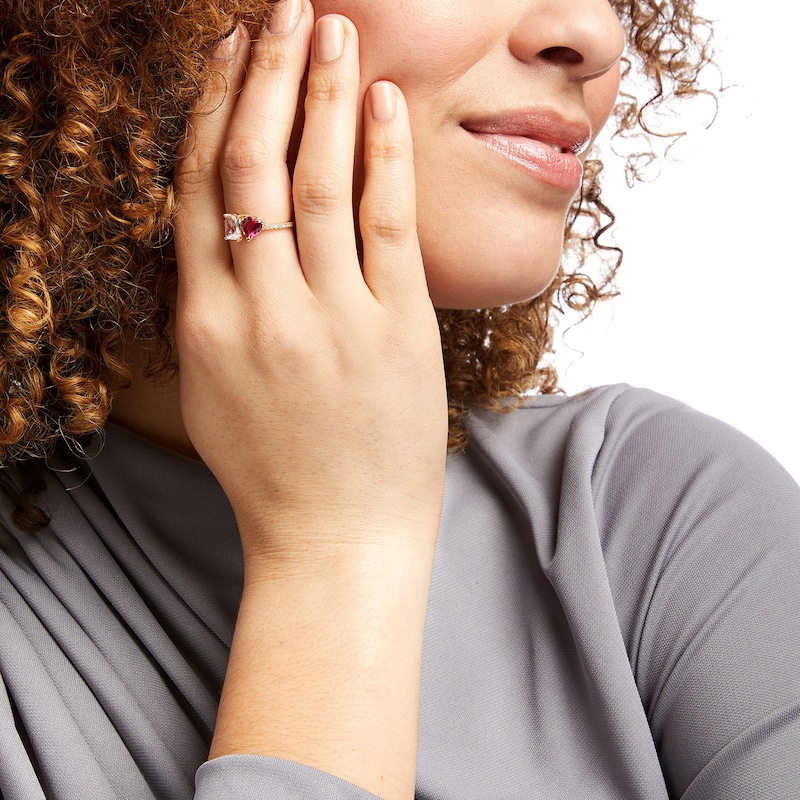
[418, 44]
[601, 96]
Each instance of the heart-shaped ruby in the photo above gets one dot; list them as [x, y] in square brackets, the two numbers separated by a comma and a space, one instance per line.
[251, 226]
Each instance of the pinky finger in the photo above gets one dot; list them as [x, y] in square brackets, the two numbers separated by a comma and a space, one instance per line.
[387, 214]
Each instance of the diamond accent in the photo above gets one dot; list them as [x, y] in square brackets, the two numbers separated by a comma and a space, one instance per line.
[233, 228]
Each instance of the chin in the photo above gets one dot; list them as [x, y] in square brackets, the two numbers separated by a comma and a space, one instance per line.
[491, 290]
[490, 277]
[491, 252]
[491, 298]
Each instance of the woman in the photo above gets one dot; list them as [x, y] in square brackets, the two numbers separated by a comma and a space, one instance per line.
[610, 570]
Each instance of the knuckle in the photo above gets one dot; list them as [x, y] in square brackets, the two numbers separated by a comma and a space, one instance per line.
[384, 150]
[278, 343]
[242, 156]
[270, 56]
[195, 170]
[198, 335]
[210, 329]
[278, 346]
[387, 224]
[318, 192]
[326, 89]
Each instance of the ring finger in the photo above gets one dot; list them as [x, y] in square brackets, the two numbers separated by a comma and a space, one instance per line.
[253, 166]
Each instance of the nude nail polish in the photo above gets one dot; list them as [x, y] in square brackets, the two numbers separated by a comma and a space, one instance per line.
[285, 16]
[382, 101]
[329, 43]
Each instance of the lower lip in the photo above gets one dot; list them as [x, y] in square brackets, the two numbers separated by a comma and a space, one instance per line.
[560, 170]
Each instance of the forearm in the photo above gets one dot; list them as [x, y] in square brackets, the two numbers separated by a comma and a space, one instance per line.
[346, 413]
[325, 668]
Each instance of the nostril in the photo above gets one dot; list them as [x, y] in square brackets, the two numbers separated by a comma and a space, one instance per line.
[561, 55]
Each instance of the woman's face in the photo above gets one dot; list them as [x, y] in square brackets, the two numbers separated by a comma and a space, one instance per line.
[491, 85]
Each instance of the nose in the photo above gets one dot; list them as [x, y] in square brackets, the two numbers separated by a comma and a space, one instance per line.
[584, 37]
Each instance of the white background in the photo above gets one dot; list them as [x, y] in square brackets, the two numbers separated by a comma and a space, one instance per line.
[710, 305]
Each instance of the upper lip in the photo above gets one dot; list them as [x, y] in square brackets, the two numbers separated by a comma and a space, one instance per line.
[543, 125]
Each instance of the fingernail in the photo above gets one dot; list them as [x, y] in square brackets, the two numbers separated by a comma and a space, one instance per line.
[226, 46]
[329, 43]
[285, 16]
[382, 101]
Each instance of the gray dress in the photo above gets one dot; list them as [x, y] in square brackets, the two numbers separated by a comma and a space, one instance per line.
[614, 613]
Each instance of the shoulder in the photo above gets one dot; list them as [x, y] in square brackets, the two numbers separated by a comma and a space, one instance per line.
[630, 439]
[697, 531]
[655, 472]
[678, 504]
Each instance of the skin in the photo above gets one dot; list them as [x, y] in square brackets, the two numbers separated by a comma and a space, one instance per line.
[311, 370]
[489, 234]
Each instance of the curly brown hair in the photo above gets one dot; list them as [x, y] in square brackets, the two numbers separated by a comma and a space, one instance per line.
[94, 98]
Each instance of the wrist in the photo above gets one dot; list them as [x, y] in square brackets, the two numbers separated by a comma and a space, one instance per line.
[291, 547]
[325, 666]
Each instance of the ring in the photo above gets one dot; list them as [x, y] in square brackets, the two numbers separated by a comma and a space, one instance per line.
[243, 227]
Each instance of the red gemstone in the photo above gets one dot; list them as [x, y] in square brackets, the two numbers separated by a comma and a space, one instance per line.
[251, 226]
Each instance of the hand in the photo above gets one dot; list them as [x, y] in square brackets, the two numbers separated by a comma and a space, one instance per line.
[311, 384]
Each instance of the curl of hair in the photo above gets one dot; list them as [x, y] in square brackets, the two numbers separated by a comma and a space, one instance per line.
[94, 97]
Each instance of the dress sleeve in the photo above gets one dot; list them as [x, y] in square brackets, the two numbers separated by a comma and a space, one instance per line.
[707, 586]
[246, 777]
[70, 726]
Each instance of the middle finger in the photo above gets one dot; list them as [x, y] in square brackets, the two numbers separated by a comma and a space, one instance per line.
[323, 175]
